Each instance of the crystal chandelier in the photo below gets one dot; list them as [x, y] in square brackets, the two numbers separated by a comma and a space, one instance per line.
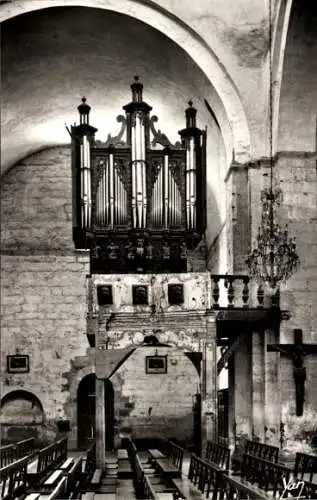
[274, 259]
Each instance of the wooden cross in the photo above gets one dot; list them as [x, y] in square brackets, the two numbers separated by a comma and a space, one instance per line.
[297, 351]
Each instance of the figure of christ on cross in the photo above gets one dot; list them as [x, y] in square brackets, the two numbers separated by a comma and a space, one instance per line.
[297, 351]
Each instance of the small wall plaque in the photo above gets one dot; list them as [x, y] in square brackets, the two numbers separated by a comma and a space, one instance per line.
[156, 364]
[18, 363]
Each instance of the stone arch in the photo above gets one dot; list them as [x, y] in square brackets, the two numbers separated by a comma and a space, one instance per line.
[281, 26]
[139, 411]
[22, 415]
[184, 36]
[71, 405]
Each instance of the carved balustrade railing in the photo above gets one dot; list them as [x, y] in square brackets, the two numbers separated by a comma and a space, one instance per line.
[229, 291]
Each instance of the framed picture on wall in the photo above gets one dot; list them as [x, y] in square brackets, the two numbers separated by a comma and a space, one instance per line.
[18, 363]
[156, 364]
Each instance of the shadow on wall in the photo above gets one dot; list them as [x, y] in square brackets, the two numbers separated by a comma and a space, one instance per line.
[215, 226]
[22, 417]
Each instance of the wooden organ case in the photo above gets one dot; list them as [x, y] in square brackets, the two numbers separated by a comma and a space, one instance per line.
[139, 202]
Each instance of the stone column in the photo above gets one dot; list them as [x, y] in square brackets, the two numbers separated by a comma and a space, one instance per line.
[209, 384]
[243, 388]
[100, 423]
[231, 405]
[258, 386]
[272, 390]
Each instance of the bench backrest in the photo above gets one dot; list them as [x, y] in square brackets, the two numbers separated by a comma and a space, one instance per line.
[233, 488]
[218, 454]
[12, 452]
[51, 455]
[306, 467]
[261, 450]
[13, 479]
[175, 453]
[264, 474]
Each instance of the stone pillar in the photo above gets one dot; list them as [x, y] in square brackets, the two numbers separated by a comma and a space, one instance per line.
[209, 384]
[100, 423]
[243, 388]
[258, 386]
[272, 390]
[231, 405]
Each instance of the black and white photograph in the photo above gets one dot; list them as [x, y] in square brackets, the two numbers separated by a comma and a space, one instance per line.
[158, 209]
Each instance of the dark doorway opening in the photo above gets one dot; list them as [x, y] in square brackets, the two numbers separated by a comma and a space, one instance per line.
[109, 414]
[86, 410]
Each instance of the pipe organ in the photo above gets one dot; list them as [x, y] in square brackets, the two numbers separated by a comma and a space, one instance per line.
[139, 202]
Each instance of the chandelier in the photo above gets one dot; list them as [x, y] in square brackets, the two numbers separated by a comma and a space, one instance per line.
[274, 259]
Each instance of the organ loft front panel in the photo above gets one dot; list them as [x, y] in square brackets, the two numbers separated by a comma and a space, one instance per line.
[139, 201]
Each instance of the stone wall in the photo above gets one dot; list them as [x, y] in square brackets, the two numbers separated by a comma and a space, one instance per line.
[43, 282]
[298, 177]
[156, 405]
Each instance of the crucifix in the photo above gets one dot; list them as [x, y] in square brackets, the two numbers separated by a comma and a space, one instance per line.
[297, 351]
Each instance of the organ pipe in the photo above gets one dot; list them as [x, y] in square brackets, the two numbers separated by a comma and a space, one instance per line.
[85, 183]
[191, 183]
[166, 174]
[138, 170]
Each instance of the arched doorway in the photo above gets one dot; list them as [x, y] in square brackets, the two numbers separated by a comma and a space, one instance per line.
[86, 411]
[22, 416]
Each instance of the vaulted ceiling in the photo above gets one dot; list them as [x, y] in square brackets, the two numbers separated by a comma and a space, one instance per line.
[53, 57]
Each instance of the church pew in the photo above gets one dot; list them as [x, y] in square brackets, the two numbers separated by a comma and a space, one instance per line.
[71, 488]
[172, 462]
[276, 480]
[306, 467]
[262, 450]
[205, 475]
[46, 459]
[89, 463]
[13, 479]
[58, 493]
[230, 487]
[256, 449]
[14, 451]
[266, 475]
[218, 454]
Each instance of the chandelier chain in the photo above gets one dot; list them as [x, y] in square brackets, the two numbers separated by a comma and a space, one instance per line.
[275, 258]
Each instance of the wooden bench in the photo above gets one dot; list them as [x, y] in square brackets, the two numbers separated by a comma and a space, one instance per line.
[306, 467]
[171, 463]
[89, 463]
[230, 487]
[95, 481]
[14, 451]
[205, 475]
[266, 475]
[275, 480]
[261, 450]
[46, 459]
[13, 479]
[74, 477]
[58, 493]
[142, 483]
[218, 454]
[255, 448]
[155, 453]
